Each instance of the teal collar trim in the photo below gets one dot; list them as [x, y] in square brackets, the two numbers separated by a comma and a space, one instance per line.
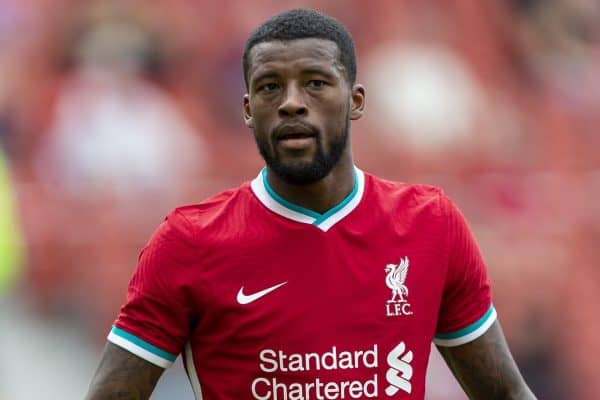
[270, 199]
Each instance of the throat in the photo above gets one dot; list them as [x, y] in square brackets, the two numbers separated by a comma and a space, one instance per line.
[319, 197]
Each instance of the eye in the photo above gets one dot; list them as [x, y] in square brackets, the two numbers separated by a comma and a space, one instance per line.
[268, 87]
[316, 83]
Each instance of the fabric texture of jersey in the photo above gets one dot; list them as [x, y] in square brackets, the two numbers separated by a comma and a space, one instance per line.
[267, 300]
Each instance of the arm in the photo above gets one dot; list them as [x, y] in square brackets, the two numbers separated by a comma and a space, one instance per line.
[123, 375]
[485, 368]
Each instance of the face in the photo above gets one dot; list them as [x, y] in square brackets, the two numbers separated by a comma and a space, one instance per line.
[299, 106]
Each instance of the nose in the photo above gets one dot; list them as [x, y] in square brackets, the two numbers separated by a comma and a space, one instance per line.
[293, 103]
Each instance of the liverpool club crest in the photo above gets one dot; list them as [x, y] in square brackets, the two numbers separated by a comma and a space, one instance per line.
[395, 280]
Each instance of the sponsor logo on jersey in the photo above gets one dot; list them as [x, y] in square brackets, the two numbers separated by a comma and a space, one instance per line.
[281, 377]
[400, 371]
[395, 279]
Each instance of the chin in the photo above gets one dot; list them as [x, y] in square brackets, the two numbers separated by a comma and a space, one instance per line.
[300, 172]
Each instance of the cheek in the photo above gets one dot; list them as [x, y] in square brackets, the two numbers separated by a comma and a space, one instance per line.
[335, 117]
[263, 113]
[337, 103]
[260, 121]
[262, 129]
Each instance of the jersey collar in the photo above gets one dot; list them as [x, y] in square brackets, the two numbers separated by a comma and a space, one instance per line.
[267, 196]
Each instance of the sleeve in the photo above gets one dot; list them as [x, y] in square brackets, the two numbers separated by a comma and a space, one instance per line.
[154, 323]
[466, 311]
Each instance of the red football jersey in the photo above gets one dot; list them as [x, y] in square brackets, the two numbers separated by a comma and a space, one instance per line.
[268, 300]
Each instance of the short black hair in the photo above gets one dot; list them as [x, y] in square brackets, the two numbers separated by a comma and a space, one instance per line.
[303, 23]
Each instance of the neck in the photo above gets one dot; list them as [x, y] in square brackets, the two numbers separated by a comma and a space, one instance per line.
[320, 196]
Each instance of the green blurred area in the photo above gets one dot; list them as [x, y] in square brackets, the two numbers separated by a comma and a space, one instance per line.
[11, 242]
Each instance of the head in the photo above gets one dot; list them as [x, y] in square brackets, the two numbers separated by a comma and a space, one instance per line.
[300, 72]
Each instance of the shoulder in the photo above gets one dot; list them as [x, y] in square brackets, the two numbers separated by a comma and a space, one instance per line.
[183, 230]
[407, 195]
[213, 211]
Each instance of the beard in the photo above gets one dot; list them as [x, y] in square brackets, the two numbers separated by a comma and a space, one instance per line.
[306, 172]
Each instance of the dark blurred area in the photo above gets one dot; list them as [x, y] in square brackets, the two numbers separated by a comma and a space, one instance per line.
[114, 112]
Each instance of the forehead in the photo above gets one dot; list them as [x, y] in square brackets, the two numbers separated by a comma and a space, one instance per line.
[293, 53]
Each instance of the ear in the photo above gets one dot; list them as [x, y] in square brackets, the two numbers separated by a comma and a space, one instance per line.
[248, 120]
[357, 105]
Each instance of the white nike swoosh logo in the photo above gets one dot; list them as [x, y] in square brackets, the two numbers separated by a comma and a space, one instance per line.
[246, 299]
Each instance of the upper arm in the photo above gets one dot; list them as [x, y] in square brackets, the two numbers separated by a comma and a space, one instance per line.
[154, 323]
[123, 375]
[485, 368]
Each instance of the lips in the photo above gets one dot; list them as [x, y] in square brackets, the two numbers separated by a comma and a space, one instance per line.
[295, 131]
[295, 135]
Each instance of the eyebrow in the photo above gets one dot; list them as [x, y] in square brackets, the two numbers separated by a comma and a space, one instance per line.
[264, 75]
[319, 71]
[306, 71]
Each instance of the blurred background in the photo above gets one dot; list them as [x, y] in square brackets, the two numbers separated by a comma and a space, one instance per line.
[114, 112]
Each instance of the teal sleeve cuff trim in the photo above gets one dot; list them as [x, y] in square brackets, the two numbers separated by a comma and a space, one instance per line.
[143, 344]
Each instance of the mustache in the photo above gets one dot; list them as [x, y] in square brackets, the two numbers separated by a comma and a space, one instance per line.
[287, 127]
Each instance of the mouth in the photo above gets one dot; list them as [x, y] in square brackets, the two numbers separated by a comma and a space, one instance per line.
[296, 136]
[288, 132]
[296, 143]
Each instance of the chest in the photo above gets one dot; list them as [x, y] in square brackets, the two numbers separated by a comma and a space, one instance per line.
[314, 288]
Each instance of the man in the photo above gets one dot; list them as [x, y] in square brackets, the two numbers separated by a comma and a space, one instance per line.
[315, 280]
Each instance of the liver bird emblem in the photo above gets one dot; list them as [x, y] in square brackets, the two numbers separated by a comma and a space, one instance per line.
[396, 275]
